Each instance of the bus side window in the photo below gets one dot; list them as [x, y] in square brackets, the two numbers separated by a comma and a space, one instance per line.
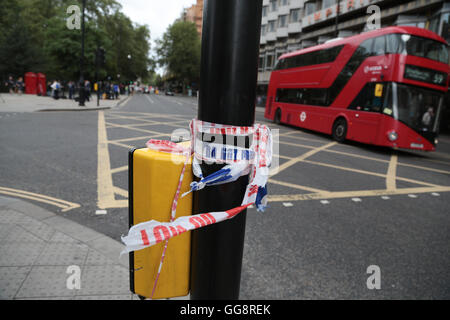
[370, 98]
[379, 46]
[365, 49]
[393, 43]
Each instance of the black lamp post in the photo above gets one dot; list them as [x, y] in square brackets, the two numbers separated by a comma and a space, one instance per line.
[81, 88]
[229, 70]
[338, 9]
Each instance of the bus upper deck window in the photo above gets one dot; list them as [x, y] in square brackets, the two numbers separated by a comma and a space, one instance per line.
[379, 46]
[393, 44]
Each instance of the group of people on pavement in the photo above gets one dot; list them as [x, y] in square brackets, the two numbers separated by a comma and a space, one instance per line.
[70, 89]
[15, 86]
[57, 90]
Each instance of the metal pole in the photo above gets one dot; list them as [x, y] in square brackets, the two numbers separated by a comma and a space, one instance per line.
[228, 77]
[97, 62]
[81, 89]
[338, 9]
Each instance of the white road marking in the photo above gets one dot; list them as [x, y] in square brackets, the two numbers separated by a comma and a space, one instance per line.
[356, 200]
[149, 99]
[288, 204]
[385, 197]
[435, 194]
[62, 204]
[100, 212]
[324, 201]
[412, 196]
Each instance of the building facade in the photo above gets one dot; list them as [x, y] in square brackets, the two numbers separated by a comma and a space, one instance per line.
[290, 25]
[195, 14]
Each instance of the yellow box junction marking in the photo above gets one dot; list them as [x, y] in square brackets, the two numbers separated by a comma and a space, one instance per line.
[107, 191]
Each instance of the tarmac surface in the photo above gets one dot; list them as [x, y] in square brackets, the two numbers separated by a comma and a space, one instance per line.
[335, 209]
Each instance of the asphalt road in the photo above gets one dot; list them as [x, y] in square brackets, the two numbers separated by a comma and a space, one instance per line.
[335, 210]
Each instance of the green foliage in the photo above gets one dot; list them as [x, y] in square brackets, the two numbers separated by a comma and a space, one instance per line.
[179, 51]
[35, 38]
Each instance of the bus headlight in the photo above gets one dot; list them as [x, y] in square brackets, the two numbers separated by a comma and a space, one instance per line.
[436, 141]
[392, 136]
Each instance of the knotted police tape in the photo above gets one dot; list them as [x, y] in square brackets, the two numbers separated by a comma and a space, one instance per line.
[253, 161]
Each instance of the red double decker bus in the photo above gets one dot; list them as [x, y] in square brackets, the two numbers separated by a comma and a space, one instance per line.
[383, 87]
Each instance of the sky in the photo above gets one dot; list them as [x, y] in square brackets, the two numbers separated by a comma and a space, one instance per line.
[157, 14]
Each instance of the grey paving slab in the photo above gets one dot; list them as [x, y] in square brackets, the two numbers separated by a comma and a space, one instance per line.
[72, 229]
[39, 229]
[33, 103]
[63, 254]
[110, 248]
[11, 278]
[5, 229]
[95, 258]
[11, 216]
[59, 237]
[19, 235]
[44, 282]
[6, 200]
[31, 210]
[105, 297]
[102, 280]
[20, 254]
[36, 251]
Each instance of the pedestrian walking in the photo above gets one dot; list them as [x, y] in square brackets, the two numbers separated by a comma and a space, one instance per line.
[116, 91]
[55, 89]
[20, 85]
[11, 84]
[87, 88]
[71, 86]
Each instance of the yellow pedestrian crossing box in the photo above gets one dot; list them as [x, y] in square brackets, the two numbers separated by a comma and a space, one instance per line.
[153, 180]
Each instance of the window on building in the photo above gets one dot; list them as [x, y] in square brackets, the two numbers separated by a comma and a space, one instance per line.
[282, 21]
[269, 62]
[446, 27]
[310, 8]
[261, 64]
[264, 11]
[328, 3]
[271, 26]
[284, 3]
[273, 5]
[294, 15]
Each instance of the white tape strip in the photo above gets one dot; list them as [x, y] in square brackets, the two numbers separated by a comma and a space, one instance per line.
[149, 233]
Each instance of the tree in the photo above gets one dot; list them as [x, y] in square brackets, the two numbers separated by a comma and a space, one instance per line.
[34, 37]
[18, 53]
[179, 51]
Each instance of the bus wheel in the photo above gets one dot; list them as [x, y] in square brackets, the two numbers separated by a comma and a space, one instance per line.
[340, 130]
[277, 118]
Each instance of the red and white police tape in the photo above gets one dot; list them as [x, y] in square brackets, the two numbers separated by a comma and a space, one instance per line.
[240, 161]
[256, 161]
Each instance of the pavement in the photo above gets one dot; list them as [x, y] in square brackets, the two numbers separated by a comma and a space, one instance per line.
[45, 256]
[33, 103]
